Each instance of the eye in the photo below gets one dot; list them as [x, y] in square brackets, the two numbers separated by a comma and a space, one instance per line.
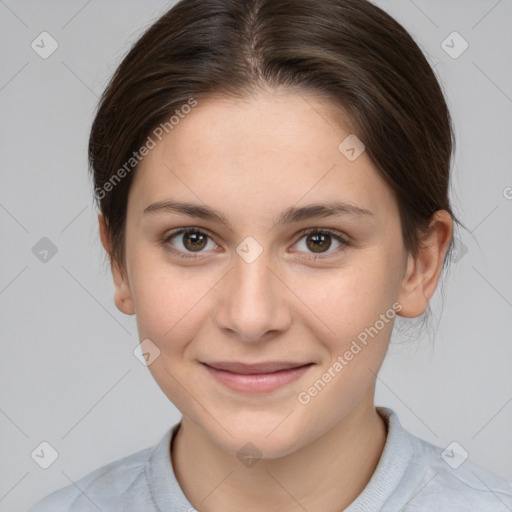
[185, 241]
[320, 241]
[190, 242]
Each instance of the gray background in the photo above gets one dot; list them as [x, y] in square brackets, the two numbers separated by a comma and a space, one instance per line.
[68, 374]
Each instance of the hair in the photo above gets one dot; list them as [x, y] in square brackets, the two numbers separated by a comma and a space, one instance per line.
[349, 51]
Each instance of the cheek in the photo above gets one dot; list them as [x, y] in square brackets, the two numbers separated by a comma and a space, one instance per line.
[164, 297]
[170, 308]
[356, 305]
[351, 298]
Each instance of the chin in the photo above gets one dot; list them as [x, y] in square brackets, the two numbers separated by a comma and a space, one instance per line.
[261, 446]
[269, 439]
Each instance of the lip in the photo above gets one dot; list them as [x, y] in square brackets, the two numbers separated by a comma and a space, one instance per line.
[256, 378]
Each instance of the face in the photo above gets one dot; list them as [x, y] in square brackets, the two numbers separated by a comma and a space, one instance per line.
[293, 252]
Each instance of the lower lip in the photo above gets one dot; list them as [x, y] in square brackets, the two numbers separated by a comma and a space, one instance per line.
[258, 382]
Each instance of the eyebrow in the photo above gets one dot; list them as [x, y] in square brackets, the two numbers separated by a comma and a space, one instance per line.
[289, 216]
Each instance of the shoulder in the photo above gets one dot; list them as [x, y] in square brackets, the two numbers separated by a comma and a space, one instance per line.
[458, 484]
[416, 476]
[446, 480]
[118, 486]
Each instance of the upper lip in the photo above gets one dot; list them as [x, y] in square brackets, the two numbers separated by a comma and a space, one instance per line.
[244, 368]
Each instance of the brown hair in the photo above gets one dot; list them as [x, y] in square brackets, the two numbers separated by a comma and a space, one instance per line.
[347, 50]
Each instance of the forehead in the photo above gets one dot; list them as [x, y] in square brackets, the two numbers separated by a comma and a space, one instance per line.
[260, 153]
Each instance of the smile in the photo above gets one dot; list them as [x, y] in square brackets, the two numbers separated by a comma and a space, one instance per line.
[257, 378]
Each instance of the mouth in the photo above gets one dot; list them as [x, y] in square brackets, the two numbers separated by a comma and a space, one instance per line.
[256, 378]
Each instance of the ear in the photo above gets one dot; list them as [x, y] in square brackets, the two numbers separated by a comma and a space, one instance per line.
[122, 296]
[424, 269]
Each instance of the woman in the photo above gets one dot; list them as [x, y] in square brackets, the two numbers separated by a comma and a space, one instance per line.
[272, 179]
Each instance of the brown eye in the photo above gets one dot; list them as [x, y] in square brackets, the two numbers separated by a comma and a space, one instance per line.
[194, 241]
[188, 240]
[321, 241]
[318, 243]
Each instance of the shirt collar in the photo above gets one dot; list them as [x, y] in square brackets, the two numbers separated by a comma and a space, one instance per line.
[167, 494]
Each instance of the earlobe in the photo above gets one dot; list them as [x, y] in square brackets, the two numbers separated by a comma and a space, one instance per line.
[424, 269]
[122, 294]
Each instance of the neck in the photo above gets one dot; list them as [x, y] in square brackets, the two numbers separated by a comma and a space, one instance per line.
[327, 474]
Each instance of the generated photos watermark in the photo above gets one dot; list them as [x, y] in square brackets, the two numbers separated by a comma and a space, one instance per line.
[133, 161]
[305, 397]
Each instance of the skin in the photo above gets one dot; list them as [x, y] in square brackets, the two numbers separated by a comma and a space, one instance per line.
[252, 159]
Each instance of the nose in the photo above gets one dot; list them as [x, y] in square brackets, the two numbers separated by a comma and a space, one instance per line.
[253, 305]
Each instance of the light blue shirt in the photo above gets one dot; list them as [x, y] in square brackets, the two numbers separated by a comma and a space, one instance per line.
[412, 476]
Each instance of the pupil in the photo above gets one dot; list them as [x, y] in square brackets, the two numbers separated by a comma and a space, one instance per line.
[320, 242]
[195, 241]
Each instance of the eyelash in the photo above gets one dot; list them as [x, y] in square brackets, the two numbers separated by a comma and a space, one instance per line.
[321, 231]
